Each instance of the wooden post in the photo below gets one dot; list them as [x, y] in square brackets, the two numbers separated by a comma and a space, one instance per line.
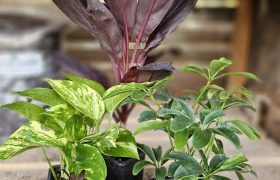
[241, 39]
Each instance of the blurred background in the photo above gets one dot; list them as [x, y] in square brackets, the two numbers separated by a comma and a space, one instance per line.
[37, 40]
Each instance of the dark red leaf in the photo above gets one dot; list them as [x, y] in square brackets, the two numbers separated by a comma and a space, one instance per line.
[76, 11]
[125, 13]
[72, 66]
[131, 76]
[149, 14]
[105, 28]
[96, 18]
[158, 66]
[175, 16]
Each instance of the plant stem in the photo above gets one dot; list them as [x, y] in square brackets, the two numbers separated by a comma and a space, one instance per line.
[49, 162]
[201, 94]
[169, 136]
[155, 101]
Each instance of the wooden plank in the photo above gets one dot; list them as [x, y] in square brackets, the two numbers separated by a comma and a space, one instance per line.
[241, 42]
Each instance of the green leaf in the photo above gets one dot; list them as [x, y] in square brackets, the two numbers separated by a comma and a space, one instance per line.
[106, 139]
[125, 146]
[161, 173]
[86, 155]
[147, 116]
[157, 153]
[56, 117]
[80, 96]
[204, 159]
[240, 176]
[160, 83]
[44, 95]
[233, 161]
[173, 167]
[188, 168]
[217, 161]
[180, 139]
[213, 86]
[246, 92]
[123, 88]
[217, 177]
[217, 66]
[212, 116]
[179, 156]
[75, 128]
[147, 150]
[30, 135]
[166, 112]
[228, 133]
[138, 95]
[30, 111]
[130, 101]
[194, 69]
[181, 105]
[150, 125]
[112, 103]
[162, 95]
[179, 123]
[224, 95]
[211, 93]
[220, 146]
[93, 84]
[242, 74]
[139, 166]
[201, 138]
[189, 178]
[246, 129]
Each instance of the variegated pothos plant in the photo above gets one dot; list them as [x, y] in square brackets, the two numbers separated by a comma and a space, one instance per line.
[70, 121]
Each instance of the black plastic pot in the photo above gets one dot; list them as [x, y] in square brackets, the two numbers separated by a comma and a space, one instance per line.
[117, 168]
[57, 171]
[121, 168]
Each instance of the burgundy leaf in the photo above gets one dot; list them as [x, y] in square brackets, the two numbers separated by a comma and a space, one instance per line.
[96, 18]
[155, 71]
[106, 29]
[176, 15]
[149, 14]
[72, 66]
[125, 13]
[131, 76]
[158, 66]
[76, 11]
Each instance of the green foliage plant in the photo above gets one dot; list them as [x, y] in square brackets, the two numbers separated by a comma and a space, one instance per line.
[70, 121]
[196, 129]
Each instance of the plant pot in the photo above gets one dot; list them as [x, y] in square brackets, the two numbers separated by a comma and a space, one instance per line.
[117, 168]
[121, 168]
[57, 171]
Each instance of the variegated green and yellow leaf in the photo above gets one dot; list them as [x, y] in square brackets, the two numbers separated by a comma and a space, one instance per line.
[30, 135]
[125, 146]
[44, 95]
[80, 96]
[30, 111]
[91, 161]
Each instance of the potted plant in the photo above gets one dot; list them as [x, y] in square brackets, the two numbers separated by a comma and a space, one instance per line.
[195, 131]
[70, 121]
[128, 30]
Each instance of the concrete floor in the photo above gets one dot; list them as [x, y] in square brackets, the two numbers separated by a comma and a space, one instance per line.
[264, 155]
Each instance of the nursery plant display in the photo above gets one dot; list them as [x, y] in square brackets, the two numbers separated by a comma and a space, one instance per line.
[70, 121]
[195, 131]
[128, 30]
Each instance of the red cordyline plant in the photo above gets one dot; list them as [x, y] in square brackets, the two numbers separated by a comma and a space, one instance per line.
[120, 24]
